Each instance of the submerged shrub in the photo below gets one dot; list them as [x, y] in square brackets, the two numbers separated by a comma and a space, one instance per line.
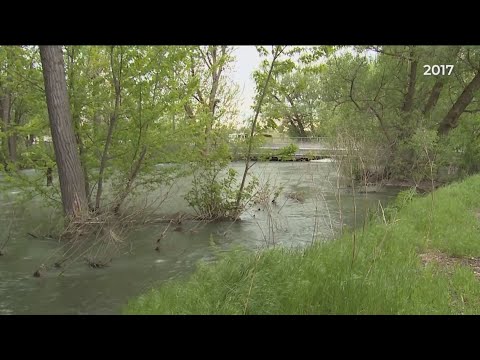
[214, 196]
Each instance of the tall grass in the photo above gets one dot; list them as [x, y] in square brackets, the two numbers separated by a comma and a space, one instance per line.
[387, 276]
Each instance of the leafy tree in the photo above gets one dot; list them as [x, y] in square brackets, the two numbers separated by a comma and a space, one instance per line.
[383, 100]
[293, 100]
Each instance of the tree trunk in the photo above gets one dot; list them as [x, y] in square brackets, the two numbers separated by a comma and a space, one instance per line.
[450, 121]
[213, 61]
[97, 120]
[131, 178]
[412, 79]
[26, 139]
[298, 126]
[72, 180]
[5, 113]
[111, 126]
[84, 167]
[11, 139]
[434, 96]
[76, 121]
[296, 118]
[189, 111]
[12, 148]
[103, 161]
[49, 176]
[301, 128]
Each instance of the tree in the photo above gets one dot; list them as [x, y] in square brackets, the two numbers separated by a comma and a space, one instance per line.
[276, 52]
[293, 97]
[212, 95]
[72, 180]
[387, 102]
[295, 101]
[117, 84]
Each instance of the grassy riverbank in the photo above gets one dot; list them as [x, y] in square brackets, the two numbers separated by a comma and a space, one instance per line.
[421, 258]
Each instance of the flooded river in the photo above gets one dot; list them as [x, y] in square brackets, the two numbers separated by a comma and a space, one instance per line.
[293, 221]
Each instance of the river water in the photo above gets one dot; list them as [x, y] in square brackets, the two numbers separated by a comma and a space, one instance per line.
[85, 290]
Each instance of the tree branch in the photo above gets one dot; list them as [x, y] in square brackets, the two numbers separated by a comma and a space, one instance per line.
[451, 119]
[434, 96]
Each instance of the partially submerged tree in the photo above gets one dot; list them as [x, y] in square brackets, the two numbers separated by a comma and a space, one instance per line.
[134, 107]
[276, 52]
[72, 181]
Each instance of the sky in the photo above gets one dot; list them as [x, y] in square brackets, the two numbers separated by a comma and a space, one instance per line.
[247, 60]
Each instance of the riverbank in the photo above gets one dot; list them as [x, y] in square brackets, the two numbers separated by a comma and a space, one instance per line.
[421, 256]
[424, 186]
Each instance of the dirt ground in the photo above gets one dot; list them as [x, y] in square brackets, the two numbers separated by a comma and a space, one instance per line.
[449, 262]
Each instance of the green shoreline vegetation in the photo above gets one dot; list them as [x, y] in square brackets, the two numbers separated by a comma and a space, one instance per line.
[386, 275]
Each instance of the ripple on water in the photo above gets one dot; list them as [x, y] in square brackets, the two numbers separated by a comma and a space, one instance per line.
[6, 312]
[81, 290]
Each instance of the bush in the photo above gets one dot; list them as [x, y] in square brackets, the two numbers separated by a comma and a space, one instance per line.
[214, 197]
[287, 152]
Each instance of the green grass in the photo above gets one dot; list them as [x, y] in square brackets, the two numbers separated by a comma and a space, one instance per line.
[386, 276]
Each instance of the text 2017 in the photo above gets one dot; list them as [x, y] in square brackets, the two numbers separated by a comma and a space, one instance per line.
[438, 69]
